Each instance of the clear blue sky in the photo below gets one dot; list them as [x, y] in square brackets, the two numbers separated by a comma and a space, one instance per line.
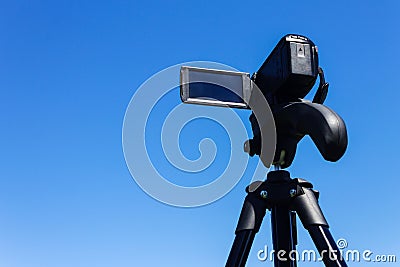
[68, 70]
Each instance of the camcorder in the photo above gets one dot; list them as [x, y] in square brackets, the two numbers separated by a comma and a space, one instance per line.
[290, 71]
[285, 78]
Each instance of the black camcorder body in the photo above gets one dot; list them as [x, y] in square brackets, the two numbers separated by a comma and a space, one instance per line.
[290, 71]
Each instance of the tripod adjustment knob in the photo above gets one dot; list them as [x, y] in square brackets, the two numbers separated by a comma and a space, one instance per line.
[264, 194]
[292, 192]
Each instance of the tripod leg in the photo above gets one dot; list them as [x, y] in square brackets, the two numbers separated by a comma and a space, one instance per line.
[283, 236]
[310, 214]
[251, 216]
[240, 248]
[326, 246]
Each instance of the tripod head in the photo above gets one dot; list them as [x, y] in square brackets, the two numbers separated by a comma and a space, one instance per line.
[285, 78]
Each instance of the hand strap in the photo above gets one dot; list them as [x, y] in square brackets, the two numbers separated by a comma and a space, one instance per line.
[322, 90]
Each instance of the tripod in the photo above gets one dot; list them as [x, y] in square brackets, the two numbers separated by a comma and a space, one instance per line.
[285, 197]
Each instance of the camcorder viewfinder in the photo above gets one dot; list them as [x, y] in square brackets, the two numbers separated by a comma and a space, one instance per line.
[215, 87]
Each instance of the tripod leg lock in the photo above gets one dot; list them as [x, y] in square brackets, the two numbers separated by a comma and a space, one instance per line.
[253, 212]
[306, 206]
